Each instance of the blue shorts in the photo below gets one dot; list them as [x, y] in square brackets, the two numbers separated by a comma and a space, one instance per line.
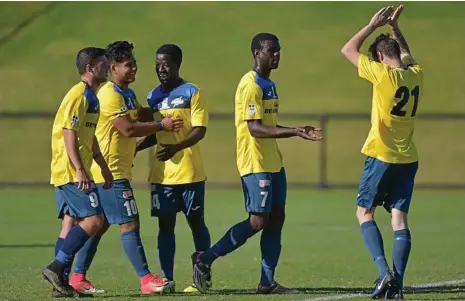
[76, 203]
[188, 198]
[263, 190]
[118, 202]
[387, 184]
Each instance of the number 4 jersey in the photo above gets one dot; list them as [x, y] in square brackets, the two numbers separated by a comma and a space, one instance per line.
[397, 93]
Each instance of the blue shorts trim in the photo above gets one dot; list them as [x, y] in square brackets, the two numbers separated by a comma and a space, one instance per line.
[264, 190]
[76, 203]
[188, 198]
[118, 202]
[387, 184]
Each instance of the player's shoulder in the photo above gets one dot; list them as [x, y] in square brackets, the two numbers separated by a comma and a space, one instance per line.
[250, 80]
[108, 89]
[81, 91]
[186, 89]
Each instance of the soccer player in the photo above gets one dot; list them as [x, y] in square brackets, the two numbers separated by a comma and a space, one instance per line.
[177, 176]
[392, 160]
[260, 166]
[74, 147]
[116, 132]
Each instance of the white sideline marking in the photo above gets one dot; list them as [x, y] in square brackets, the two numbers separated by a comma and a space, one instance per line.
[351, 296]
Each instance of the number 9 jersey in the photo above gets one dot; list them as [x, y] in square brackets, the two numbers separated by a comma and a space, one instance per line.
[397, 93]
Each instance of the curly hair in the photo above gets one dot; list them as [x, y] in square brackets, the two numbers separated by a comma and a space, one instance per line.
[119, 51]
[386, 45]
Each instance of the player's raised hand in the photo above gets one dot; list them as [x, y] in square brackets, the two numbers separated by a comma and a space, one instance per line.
[382, 17]
[83, 178]
[308, 132]
[395, 15]
[108, 177]
[168, 151]
[172, 124]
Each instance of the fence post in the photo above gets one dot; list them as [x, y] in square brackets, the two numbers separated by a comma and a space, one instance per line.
[323, 181]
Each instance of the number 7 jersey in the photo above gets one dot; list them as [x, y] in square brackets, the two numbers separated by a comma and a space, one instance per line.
[397, 94]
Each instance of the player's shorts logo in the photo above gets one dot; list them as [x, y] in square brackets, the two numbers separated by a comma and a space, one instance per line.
[264, 183]
[127, 194]
[153, 187]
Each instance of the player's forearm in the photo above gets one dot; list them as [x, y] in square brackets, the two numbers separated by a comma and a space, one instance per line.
[97, 155]
[72, 148]
[142, 129]
[263, 131]
[197, 134]
[356, 42]
[399, 37]
[146, 142]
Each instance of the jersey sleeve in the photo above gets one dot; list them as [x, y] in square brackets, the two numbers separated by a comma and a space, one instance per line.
[199, 113]
[370, 70]
[112, 104]
[252, 102]
[74, 112]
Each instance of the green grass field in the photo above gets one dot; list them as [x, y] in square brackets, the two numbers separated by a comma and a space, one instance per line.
[36, 67]
[323, 251]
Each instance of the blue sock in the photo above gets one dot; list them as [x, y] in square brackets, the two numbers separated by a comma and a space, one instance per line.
[374, 242]
[86, 254]
[202, 240]
[75, 239]
[132, 245]
[233, 239]
[59, 244]
[166, 251]
[270, 244]
[400, 253]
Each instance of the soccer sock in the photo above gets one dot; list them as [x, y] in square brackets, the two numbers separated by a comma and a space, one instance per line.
[202, 240]
[270, 244]
[75, 239]
[400, 253]
[86, 254]
[374, 242]
[59, 244]
[132, 245]
[236, 236]
[166, 251]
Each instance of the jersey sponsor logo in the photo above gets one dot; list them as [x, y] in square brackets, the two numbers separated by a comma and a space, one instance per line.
[127, 194]
[177, 101]
[74, 120]
[264, 183]
[91, 124]
[271, 111]
[252, 109]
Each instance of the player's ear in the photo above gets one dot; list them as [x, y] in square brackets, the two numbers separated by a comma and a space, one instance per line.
[380, 56]
[256, 52]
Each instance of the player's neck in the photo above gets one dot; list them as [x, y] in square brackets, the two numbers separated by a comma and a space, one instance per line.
[263, 72]
[122, 84]
[91, 82]
[172, 84]
[394, 63]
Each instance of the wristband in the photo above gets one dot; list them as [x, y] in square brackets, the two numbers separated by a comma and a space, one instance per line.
[160, 125]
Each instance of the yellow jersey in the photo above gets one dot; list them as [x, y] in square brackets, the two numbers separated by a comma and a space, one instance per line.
[397, 93]
[79, 111]
[256, 98]
[184, 101]
[117, 149]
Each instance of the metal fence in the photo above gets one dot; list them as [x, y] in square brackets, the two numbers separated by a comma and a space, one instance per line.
[324, 120]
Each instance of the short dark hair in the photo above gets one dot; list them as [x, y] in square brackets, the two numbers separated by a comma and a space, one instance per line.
[258, 40]
[172, 50]
[386, 45]
[120, 51]
[88, 56]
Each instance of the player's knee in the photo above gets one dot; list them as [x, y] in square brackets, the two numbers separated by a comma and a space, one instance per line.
[167, 223]
[92, 224]
[399, 220]
[364, 215]
[277, 218]
[104, 227]
[196, 223]
[259, 221]
[67, 223]
[129, 227]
